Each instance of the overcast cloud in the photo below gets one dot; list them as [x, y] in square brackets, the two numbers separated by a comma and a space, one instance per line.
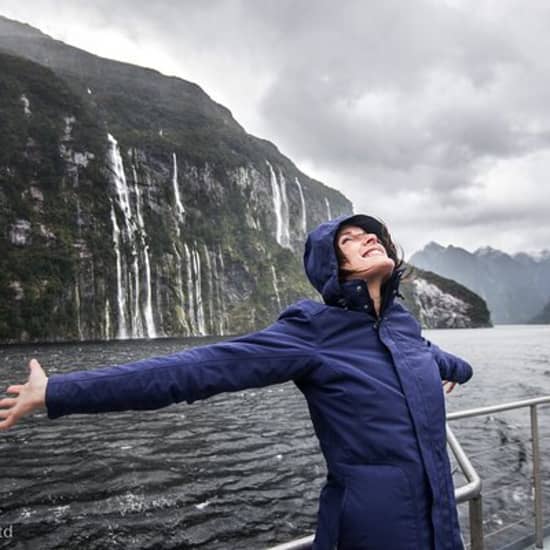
[432, 115]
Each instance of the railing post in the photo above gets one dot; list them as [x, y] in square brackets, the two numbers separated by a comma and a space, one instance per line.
[476, 523]
[539, 535]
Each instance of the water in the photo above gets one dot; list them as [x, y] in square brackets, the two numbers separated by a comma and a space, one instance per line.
[511, 363]
[239, 470]
[280, 207]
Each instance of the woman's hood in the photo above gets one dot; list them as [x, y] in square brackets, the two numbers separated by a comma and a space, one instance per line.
[320, 260]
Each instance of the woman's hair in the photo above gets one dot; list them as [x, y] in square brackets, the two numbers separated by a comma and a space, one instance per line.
[380, 229]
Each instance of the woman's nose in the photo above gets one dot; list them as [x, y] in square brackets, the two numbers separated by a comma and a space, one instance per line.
[370, 238]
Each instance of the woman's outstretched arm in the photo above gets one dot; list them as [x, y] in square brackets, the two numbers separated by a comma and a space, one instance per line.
[284, 351]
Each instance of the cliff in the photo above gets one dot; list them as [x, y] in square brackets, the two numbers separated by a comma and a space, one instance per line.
[132, 205]
[438, 302]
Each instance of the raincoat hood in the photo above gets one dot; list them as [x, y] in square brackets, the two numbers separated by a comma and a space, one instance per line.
[321, 261]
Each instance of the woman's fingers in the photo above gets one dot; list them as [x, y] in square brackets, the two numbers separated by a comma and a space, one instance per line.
[450, 386]
[29, 397]
[9, 416]
[6, 411]
[8, 423]
[34, 364]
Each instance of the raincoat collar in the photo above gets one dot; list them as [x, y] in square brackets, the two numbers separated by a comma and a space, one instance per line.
[355, 294]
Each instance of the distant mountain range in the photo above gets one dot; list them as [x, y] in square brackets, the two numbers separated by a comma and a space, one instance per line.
[515, 287]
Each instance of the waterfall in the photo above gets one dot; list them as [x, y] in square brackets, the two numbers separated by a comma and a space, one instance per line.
[121, 294]
[122, 196]
[107, 328]
[26, 105]
[190, 290]
[285, 214]
[149, 320]
[148, 309]
[141, 308]
[280, 207]
[159, 308]
[79, 220]
[182, 317]
[198, 291]
[78, 274]
[137, 322]
[329, 213]
[220, 291]
[179, 206]
[210, 275]
[77, 304]
[303, 206]
[137, 325]
[276, 204]
[119, 179]
[276, 287]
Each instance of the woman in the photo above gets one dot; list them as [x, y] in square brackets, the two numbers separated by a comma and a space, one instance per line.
[372, 384]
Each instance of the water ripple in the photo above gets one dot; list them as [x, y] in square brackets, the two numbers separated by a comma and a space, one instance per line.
[239, 470]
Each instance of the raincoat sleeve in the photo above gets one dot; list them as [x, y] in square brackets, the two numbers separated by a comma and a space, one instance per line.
[284, 351]
[451, 367]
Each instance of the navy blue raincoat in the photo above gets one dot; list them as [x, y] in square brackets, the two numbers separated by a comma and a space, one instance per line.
[373, 387]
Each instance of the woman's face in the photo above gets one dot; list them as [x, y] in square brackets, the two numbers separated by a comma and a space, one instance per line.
[364, 257]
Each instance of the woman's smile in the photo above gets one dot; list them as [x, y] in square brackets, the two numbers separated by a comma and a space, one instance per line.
[375, 251]
[363, 256]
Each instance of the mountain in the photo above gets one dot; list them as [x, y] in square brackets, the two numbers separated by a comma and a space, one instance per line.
[543, 317]
[438, 302]
[515, 287]
[132, 205]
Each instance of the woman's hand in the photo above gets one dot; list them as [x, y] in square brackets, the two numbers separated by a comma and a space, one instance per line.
[450, 386]
[30, 396]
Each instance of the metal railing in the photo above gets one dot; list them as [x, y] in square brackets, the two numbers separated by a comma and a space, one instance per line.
[476, 531]
[471, 492]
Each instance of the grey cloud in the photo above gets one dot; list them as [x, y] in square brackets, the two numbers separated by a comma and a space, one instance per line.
[393, 101]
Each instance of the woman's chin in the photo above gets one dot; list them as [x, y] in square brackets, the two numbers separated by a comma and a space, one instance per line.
[376, 267]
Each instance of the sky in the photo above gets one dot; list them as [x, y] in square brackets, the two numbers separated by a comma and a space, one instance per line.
[433, 115]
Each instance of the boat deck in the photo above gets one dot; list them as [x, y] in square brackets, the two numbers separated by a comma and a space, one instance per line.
[546, 544]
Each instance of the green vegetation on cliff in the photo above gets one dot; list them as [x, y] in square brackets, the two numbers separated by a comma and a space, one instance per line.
[59, 269]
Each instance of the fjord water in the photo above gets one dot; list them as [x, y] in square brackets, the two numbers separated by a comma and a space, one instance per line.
[239, 470]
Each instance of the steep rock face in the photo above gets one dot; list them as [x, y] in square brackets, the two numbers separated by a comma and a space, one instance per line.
[117, 235]
[515, 287]
[132, 205]
[442, 303]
